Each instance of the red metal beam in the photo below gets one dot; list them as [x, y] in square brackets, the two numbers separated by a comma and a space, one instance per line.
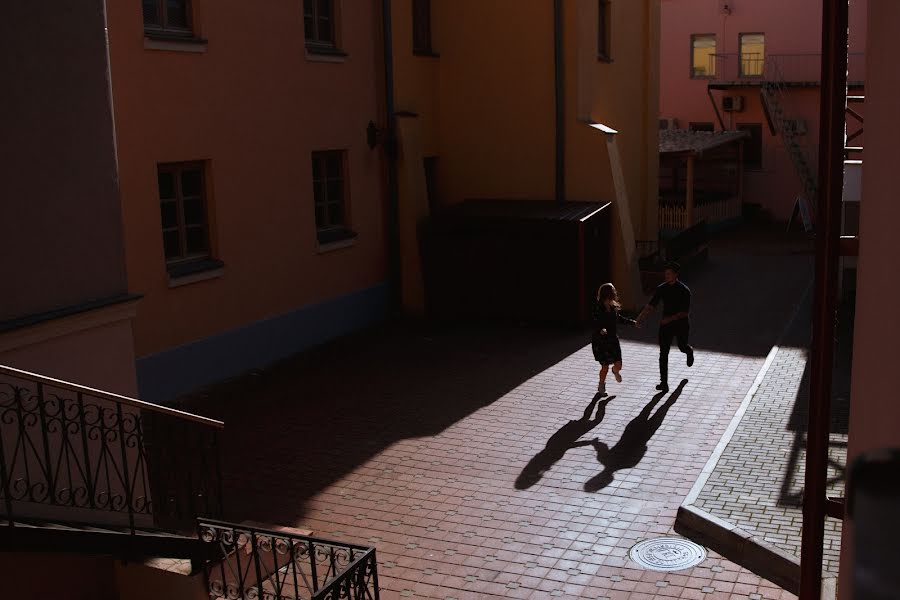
[828, 230]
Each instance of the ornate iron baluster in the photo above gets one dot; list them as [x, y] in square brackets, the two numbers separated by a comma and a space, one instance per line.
[125, 475]
[88, 474]
[45, 443]
[312, 565]
[4, 476]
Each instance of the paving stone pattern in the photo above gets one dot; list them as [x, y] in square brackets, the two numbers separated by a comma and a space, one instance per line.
[478, 460]
[758, 482]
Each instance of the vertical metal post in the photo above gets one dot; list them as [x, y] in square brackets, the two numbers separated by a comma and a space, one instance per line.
[689, 192]
[560, 185]
[831, 172]
[390, 147]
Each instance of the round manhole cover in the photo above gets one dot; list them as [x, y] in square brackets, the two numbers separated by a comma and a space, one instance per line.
[668, 554]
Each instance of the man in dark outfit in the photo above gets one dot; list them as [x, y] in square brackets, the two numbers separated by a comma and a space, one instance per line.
[675, 322]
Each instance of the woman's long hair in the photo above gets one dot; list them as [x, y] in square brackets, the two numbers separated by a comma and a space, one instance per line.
[608, 292]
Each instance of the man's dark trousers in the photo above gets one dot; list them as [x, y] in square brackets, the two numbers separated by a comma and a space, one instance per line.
[679, 330]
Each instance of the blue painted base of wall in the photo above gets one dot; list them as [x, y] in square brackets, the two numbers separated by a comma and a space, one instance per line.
[166, 375]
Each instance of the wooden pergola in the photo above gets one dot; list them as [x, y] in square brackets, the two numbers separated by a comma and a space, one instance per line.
[700, 177]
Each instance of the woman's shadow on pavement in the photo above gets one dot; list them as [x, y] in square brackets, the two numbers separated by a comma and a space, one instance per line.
[561, 442]
[631, 447]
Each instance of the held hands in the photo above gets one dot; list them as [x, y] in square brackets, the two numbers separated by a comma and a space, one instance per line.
[603, 332]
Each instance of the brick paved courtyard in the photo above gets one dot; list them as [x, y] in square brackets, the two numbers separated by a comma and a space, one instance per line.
[478, 460]
[757, 484]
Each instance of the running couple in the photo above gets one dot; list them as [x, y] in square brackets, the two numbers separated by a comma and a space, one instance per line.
[674, 325]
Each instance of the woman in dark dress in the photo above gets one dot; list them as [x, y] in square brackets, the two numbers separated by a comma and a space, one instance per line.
[605, 341]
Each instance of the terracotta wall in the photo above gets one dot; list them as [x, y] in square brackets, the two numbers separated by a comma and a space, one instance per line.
[776, 184]
[60, 220]
[875, 412]
[254, 106]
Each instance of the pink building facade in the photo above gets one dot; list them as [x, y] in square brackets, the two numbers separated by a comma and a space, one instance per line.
[754, 65]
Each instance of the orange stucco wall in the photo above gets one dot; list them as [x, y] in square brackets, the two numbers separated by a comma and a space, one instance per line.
[487, 103]
[254, 106]
[875, 412]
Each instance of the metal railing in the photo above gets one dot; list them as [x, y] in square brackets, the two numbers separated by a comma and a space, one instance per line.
[793, 68]
[277, 565]
[74, 453]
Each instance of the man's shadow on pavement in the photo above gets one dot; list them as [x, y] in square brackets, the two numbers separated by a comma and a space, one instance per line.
[631, 447]
[561, 442]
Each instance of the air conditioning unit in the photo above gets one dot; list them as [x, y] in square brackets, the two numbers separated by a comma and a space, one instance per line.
[668, 124]
[733, 103]
[796, 126]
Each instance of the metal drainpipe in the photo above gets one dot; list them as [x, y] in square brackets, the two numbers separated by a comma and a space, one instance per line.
[390, 149]
[560, 99]
[831, 178]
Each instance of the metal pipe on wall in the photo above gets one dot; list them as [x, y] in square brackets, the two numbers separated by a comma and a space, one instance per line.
[560, 101]
[393, 223]
[831, 177]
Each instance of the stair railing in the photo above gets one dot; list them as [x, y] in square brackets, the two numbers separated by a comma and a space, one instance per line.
[76, 454]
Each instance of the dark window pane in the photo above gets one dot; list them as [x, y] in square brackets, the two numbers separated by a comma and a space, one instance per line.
[320, 216]
[603, 30]
[317, 167]
[169, 212]
[325, 22]
[335, 191]
[196, 240]
[326, 34]
[334, 166]
[177, 14]
[191, 183]
[309, 20]
[171, 244]
[193, 211]
[336, 214]
[166, 186]
[326, 9]
[151, 12]
[319, 191]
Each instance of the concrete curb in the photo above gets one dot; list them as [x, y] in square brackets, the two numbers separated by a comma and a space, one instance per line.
[742, 547]
[739, 546]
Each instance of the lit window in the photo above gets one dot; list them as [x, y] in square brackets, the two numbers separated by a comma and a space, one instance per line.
[753, 54]
[703, 55]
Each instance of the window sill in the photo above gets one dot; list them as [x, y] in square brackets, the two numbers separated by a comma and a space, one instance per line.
[325, 54]
[426, 53]
[193, 272]
[329, 241]
[157, 40]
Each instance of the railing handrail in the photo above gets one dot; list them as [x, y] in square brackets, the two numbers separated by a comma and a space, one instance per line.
[104, 395]
[349, 571]
[278, 534]
[773, 55]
